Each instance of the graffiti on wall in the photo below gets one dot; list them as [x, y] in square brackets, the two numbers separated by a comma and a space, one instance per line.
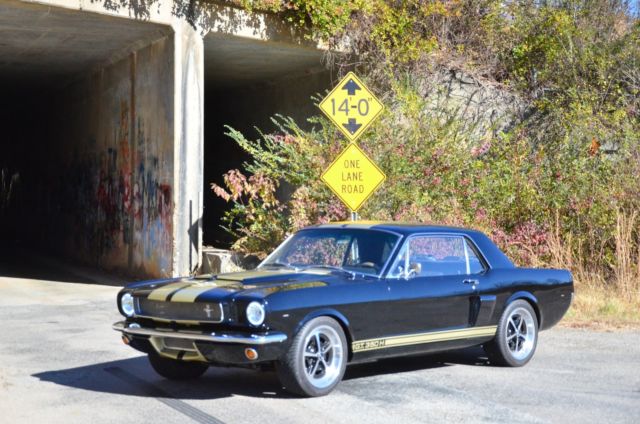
[152, 206]
[121, 203]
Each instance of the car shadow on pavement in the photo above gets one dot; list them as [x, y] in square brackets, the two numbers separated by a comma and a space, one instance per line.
[474, 356]
[135, 377]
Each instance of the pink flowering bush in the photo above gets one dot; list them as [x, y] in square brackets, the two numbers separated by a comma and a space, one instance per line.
[256, 209]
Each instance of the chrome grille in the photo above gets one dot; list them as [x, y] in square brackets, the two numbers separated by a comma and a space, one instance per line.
[180, 311]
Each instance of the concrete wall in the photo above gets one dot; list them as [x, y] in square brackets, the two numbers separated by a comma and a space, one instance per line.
[112, 164]
[188, 148]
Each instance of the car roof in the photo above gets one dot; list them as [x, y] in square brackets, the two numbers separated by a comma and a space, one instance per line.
[492, 253]
[403, 228]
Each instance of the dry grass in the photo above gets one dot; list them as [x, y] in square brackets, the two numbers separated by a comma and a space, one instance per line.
[607, 296]
[627, 267]
[600, 308]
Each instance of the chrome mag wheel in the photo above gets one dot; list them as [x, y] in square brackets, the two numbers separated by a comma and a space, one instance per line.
[316, 360]
[323, 356]
[521, 333]
[516, 336]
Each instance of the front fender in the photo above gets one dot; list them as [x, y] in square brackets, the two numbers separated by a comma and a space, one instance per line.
[329, 312]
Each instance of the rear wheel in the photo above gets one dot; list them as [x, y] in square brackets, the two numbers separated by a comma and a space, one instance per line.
[316, 361]
[517, 336]
[173, 369]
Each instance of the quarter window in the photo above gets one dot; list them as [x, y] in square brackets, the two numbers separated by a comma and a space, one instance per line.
[431, 256]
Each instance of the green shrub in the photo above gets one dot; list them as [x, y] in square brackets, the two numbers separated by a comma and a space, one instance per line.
[564, 174]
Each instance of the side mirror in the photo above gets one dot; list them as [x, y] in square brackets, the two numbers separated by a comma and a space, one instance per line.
[414, 270]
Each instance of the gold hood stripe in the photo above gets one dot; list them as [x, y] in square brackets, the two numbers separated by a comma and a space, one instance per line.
[163, 292]
[188, 291]
[189, 294]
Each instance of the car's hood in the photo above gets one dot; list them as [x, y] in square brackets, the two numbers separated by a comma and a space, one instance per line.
[258, 283]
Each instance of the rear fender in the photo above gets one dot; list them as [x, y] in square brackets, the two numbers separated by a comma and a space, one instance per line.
[525, 295]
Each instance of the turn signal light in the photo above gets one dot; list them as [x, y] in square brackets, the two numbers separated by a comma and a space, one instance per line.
[251, 354]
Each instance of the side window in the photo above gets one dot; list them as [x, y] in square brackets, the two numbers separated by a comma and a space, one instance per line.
[475, 264]
[368, 254]
[431, 256]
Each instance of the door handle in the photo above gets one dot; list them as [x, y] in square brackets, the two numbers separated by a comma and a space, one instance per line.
[471, 281]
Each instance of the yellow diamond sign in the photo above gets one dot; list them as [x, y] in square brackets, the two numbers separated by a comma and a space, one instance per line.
[353, 177]
[351, 106]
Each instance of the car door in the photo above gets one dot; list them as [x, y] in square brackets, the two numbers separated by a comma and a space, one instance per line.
[433, 285]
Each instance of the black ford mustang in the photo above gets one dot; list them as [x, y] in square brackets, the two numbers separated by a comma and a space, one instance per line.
[347, 292]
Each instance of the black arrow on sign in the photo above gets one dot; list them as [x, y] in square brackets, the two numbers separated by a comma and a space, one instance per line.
[352, 126]
[351, 86]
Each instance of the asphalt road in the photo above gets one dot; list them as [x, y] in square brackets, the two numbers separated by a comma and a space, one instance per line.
[60, 362]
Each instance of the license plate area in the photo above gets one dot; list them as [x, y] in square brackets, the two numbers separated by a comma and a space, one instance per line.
[179, 344]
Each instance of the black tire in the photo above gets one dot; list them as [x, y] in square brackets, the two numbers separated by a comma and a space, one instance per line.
[301, 369]
[173, 369]
[516, 337]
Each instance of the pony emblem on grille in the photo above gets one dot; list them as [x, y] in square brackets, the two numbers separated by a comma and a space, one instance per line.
[208, 310]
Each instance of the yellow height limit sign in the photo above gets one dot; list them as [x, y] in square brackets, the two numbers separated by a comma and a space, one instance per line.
[351, 106]
[353, 177]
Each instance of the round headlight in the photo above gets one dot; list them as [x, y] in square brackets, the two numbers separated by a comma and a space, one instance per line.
[126, 303]
[255, 313]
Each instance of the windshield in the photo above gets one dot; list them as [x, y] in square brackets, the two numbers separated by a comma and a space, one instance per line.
[354, 250]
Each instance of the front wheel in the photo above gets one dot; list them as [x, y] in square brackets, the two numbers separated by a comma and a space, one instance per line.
[517, 336]
[173, 369]
[316, 361]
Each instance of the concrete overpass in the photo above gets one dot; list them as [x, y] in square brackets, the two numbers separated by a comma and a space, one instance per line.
[112, 113]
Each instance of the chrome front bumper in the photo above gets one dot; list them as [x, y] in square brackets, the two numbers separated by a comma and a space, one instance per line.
[251, 339]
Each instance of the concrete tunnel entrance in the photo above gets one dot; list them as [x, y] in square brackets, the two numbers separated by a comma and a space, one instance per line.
[247, 82]
[72, 83]
[96, 125]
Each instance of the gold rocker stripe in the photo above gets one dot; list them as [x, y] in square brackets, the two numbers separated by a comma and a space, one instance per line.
[162, 293]
[431, 337]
